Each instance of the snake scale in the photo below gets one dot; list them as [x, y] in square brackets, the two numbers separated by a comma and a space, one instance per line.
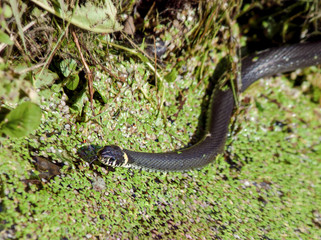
[253, 67]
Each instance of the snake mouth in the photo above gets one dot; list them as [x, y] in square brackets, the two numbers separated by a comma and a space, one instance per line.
[95, 158]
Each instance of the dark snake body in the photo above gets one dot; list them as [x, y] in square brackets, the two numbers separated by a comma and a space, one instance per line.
[264, 64]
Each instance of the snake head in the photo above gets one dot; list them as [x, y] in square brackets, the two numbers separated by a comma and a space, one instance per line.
[113, 156]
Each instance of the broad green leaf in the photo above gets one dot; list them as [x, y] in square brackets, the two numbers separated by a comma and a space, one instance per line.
[171, 77]
[22, 120]
[7, 12]
[46, 78]
[72, 82]
[80, 103]
[4, 38]
[89, 16]
[68, 66]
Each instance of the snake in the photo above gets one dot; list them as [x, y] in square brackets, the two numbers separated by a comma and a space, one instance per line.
[220, 109]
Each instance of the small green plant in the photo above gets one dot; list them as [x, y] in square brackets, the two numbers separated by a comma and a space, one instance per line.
[5, 12]
[22, 120]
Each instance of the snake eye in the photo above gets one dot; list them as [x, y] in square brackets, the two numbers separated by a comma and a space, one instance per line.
[112, 156]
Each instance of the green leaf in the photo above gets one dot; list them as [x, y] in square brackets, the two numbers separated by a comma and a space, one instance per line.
[259, 106]
[45, 79]
[171, 77]
[80, 103]
[7, 12]
[97, 17]
[68, 66]
[72, 82]
[4, 38]
[22, 120]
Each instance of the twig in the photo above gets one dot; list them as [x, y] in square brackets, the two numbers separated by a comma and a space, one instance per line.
[102, 66]
[33, 67]
[88, 72]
